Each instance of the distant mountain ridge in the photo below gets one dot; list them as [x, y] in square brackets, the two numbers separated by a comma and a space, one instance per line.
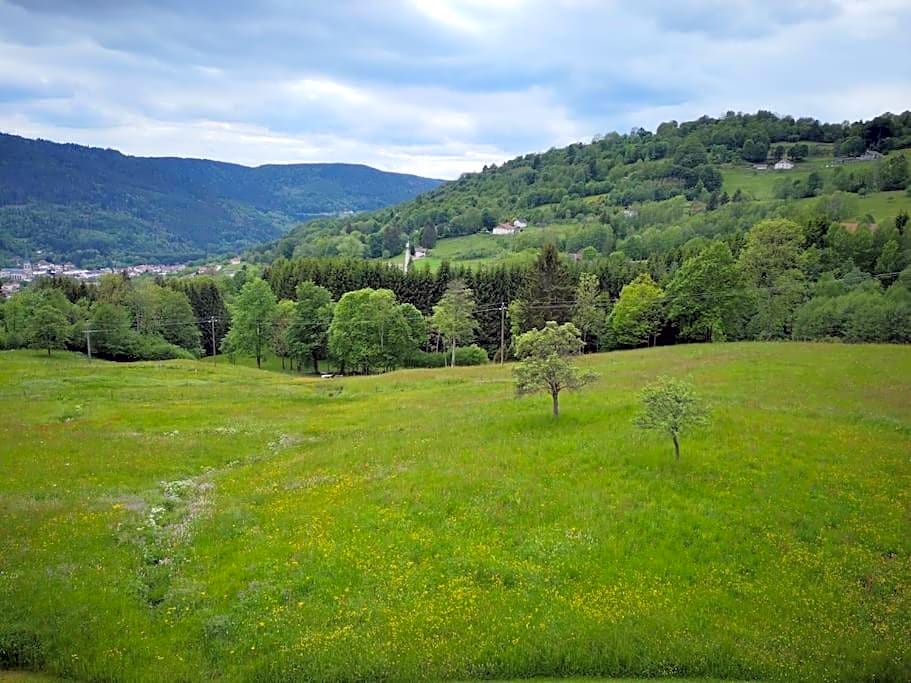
[95, 205]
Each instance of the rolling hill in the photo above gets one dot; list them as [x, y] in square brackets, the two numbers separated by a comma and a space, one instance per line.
[95, 205]
[683, 179]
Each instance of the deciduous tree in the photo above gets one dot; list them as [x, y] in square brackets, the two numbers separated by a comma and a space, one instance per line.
[308, 333]
[639, 312]
[371, 330]
[48, 328]
[672, 407]
[252, 315]
[706, 297]
[281, 343]
[176, 320]
[453, 317]
[590, 310]
[545, 362]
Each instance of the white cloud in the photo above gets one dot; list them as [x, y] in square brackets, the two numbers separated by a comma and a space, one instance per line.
[435, 88]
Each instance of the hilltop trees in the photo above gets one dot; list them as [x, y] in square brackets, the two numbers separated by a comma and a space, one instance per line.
[252, 316]
[595, 180]
[544, 362]
[453, 317]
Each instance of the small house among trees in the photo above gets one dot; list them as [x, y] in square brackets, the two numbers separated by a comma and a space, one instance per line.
[510, 228]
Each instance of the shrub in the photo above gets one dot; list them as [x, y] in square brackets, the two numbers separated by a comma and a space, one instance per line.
[465, 355]
[156, 348]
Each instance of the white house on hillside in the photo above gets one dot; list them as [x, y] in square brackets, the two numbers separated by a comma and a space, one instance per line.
[510, 228]
[784, 165]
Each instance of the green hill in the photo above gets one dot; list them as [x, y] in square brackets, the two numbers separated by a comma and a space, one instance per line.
[184, 522]
[766, 192]
[98, 205]
[682, 173]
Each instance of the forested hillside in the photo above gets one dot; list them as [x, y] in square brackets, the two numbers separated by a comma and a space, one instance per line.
[667, 177]
[96, 206]
[692, 259]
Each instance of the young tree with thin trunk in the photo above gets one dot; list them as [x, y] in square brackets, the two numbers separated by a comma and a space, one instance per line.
[671, 406]
[545, 362]
[453, 316]
[284, 313]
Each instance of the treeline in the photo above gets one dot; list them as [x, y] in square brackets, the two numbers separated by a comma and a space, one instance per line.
[122, 319]
[599, 178]
[676, 285]
[781, 280]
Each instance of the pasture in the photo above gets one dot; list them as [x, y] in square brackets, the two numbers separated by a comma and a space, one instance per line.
[179, 521]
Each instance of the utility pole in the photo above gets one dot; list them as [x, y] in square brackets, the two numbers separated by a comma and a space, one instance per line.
[502, 331]
[212, 324]
[88, 342]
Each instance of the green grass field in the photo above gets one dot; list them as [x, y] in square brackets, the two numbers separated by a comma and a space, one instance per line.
[175, 521]
[486, 249]
[470, 250]
[761, 184]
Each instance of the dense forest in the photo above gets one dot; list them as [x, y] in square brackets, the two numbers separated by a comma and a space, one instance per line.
[98, 206]
[594, 183]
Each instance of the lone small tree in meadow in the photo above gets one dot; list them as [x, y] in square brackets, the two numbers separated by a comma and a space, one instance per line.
[671, 406]
[544, 362]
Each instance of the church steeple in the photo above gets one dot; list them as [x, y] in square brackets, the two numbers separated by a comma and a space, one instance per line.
[407, 255]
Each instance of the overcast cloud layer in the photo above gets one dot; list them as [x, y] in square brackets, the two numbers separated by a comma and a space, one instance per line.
[434, 87]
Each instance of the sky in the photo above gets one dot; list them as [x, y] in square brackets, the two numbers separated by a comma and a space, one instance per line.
[432, 87]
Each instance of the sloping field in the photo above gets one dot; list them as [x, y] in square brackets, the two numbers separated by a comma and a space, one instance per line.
[174, 521]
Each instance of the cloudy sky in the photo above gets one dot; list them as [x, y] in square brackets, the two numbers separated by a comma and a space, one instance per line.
[434, 87]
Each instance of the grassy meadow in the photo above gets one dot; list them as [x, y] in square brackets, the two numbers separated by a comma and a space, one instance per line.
[481, 248]
[484, 248]
[179, 521]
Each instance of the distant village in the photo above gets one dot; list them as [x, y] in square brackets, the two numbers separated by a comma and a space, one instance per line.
[13, 279]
